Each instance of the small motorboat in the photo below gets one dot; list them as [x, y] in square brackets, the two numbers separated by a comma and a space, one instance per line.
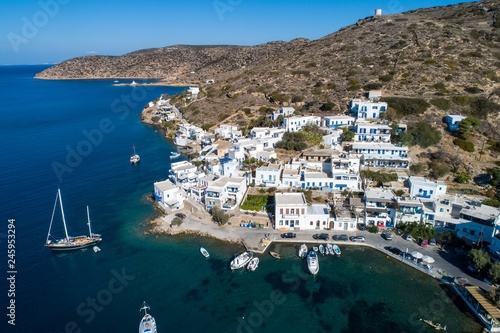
[322, 250]
[312, 262]
[275, 255]
[241, 260]
[148, 323]
[174, 155]
[96, 249]
[329, 249]
[253, 264]
[315, 249]
[336, 249]
[204, 252]
[436, 326]
[303, 251]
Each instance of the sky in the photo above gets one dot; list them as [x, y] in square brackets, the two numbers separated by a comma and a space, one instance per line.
[51, 31]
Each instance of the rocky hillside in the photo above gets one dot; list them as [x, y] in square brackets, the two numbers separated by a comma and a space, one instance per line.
[171, 63]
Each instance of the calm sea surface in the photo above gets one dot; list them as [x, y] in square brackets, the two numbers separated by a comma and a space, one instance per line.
[78, 136]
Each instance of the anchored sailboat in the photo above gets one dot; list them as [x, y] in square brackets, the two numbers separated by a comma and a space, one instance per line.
[134, 158]
[70, 243]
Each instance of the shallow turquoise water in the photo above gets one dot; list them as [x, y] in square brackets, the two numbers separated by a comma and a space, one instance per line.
[363, 291]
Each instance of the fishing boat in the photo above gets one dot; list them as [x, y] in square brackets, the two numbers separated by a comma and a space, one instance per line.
[336, 249]
[204, 252]
[241, 260]
[96, 249]
[253, 264]
[70, 243]
[303, 251]
[329, 249]
[275, 255]
[315, 249]
[312, 262]
[148, 323]
[174, 155]
[436, 326]
[322, 250]
[134, 158]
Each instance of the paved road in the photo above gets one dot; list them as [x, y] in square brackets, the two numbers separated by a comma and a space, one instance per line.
[454, 264]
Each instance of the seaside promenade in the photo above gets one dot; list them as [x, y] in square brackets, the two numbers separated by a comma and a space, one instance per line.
[448, 264]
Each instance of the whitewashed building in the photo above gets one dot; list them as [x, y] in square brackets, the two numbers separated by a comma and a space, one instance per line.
[268, 175]
[379, 207]
[366, 109]
[183, 174]
[168, 196]
[282, 112]
[382, 154]
[225, 193]
[421, 187]
[228, 132]
[365, 131]
[338, 121]
[294, 124]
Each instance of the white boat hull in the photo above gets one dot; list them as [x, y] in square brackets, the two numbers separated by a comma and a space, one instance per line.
[241, 260]
[313, 263]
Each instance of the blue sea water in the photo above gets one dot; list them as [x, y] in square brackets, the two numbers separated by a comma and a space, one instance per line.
[78, 135]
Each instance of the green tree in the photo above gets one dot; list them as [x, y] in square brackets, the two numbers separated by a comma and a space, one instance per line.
[463, 178]
[328, 106]
[373, 229]
[347, 135]
[494, 295]
[177, 221]
[478, 259]
[494, 272]
[467, 126]
[439, 169]
[219, 216]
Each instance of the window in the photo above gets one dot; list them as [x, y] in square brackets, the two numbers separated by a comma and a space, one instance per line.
[281, 211]
[292, 211]
[281, 222]
[324, 223]
[287, 211]
[303, 211]
[441, 210]
[296, 222]
[311, 223]
[286, 222]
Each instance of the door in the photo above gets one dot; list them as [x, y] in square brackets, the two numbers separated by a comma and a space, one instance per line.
[331, 224]
[346, 225]
[317, 224]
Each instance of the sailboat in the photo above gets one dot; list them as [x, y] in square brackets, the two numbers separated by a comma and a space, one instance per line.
[70, 243]
[148, 323]
[134, 158]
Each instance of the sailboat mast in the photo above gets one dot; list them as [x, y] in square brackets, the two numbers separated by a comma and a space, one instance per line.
[62, 212]
[134, 149]
[52, 218]
[88, 219]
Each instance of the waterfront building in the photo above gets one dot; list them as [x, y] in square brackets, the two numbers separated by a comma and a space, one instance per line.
[368, 109]
[168, 196]
[225, 193]
[408, 211]
[424, 188]
[183, 174]
[379, 207]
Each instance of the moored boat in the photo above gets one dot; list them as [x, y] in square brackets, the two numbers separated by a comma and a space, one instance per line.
[303, 251]
[69, 242]
[174, 155]
[204, 252]
[275, 255]
[322, 250]
[329, 249]
[336, 249]
[436, 326]
[148, 323]
[253, 264]
[241, 260]
[315, 249]
[96, 249]
[312, 262]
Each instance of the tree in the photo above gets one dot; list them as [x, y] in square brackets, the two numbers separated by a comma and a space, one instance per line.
[219, 216]
[373, 229]
[177, 221]
[494, 296]
[467, 126]
[494, 272]
[417, 168]
[439, 169]
[478, 259]
[463, 178]
[328, 106]
[347, 135]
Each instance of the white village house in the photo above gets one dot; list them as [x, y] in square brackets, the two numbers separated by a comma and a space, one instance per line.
[168, 196]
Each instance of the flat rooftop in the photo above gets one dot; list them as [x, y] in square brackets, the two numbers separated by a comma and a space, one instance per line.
[318, 210]
[221, 182]
[282, 199]
[378, 194]
[165, 185]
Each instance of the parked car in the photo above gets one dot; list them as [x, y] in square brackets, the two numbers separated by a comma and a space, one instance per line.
[340, 237]
[432, 242]
[408, 238]
[362, 227]
[180, 215]
[357, 238]
[394, 250]
[423, 243]
[387, 236]
[321, 236]
[288, 235]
